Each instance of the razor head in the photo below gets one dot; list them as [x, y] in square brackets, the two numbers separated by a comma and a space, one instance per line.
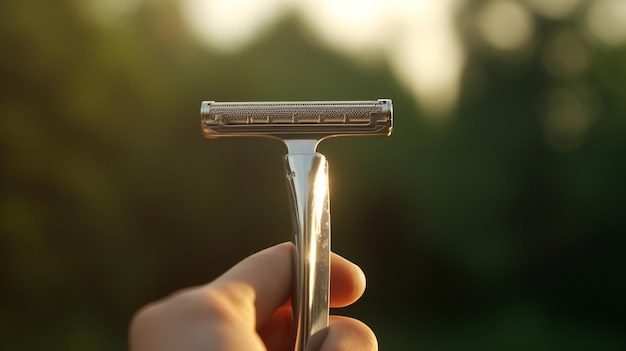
[297, 120]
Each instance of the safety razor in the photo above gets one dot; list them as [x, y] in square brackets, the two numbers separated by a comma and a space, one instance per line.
[301, 126]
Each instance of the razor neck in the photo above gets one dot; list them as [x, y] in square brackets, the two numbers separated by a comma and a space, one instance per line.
[301, 146]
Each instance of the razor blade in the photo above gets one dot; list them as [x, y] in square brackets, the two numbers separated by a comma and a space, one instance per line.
[297, 120]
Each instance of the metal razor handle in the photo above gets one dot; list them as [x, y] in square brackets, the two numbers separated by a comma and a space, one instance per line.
[301, 126]
[307, 179]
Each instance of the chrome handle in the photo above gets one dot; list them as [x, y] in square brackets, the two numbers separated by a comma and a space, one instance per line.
[307, 179]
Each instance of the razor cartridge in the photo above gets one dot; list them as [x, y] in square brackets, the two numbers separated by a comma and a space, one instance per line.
[296, 120]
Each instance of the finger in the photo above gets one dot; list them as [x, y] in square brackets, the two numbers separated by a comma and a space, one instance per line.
[276, 333]
[191, 320]
[347, 282]
[348, 334]
[343, 333]
[347, 285]
[267, 274]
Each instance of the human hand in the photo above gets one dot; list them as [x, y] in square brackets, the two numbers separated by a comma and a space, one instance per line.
[248, 309]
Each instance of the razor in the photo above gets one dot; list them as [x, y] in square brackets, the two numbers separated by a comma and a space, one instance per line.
[301, 126]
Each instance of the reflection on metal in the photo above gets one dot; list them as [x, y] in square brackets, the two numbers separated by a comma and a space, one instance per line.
[307, 178]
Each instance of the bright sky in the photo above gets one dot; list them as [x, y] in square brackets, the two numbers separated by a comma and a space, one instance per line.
[419, 39]
[415, 37]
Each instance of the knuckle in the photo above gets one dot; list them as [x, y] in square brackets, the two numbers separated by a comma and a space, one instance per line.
[223, 304]
[157, 314]
[230, 303]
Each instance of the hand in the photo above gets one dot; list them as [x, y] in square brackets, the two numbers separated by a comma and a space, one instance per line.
[248, 309]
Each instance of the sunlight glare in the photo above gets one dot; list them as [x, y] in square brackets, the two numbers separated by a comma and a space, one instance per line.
[230, 25]
[428, 58]
[417, 38]
[350, 26]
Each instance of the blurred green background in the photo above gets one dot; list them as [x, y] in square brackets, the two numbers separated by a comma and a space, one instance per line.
[496, 222]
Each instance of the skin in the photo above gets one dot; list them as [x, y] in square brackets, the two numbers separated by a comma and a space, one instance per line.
[248, 308]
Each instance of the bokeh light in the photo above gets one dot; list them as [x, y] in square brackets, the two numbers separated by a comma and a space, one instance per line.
[554, 9]
[505, 24]
[606, 20]
[230, 25]
[566, 55]
[569, 114]
[417, 38]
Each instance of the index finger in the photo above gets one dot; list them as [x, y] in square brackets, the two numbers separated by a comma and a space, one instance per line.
[269, 275]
